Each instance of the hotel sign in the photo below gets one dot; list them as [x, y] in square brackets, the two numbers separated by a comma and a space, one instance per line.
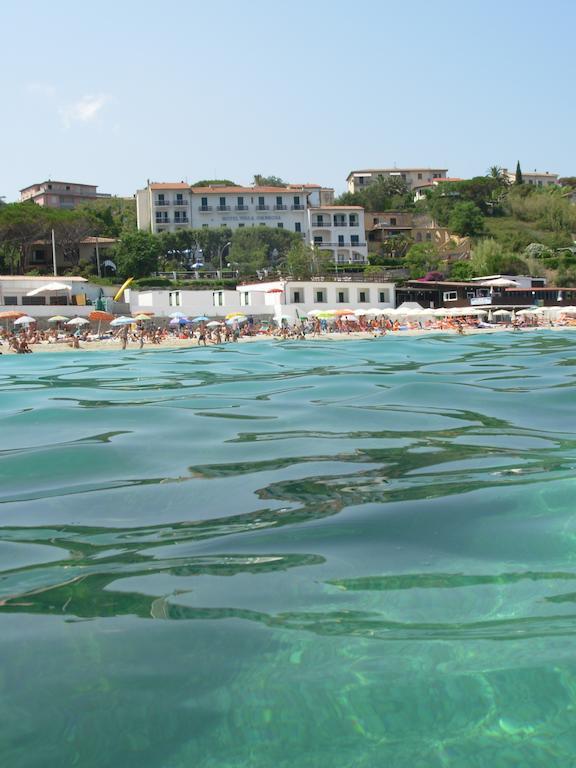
[480, 301]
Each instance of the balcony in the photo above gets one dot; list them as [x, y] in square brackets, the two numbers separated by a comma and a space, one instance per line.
[181, 221]
[240, 207]
[223, 208]
[280, 207]
[162, 202]
[298, 207]
[262, 207]
[181, 202]
[205, 208]
[159, 222]
[340, 224]
[323, 224]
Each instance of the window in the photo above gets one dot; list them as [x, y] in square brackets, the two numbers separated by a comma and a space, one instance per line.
[33, 300]
[38, 256]
[279, 202]
[319, 220]
[375, 220]
[239, 225]
[261, 203]
[428, 236]
[420, 176]
[392, 222]
[244, 298]
[320, 297]
[218, 298]
[262, 223]
[340, 239]
[362, 297]
[383, 297]
[280, 226]
[296, 201]
[342, 297]
[298, 227]
[222, 202]
[204, 226]
[204, 202]
[67, 186]
[317, 239]
[174, 298]
[179, 198]
[297, 297]
[450, 296]
[354, 220]
[240, 202]
[10, 301]
[49, 186]
[354, 240]
[160, 199]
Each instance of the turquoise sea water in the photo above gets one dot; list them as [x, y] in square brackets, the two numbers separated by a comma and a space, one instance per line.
[340, 554]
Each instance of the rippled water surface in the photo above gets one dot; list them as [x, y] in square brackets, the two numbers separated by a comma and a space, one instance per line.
[340, 554]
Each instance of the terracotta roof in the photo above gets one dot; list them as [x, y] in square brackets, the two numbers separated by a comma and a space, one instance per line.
[337, 208]
[247, 190]
[169, 185]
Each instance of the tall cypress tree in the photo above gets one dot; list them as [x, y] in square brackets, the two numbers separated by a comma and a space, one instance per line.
[519, 179]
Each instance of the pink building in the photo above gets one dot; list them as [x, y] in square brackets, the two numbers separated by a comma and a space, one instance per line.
[60, 194]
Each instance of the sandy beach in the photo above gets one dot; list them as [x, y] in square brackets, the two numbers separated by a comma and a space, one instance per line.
[175, 343]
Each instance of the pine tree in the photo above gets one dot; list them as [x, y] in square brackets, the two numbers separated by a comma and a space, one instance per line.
[519, 179]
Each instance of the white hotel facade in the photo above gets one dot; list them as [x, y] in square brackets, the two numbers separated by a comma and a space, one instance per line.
[305, 209]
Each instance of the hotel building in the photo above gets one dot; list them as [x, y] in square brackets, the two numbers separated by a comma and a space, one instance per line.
[306, 209]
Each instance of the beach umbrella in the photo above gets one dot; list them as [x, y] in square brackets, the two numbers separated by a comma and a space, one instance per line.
[99, 316]
[11, 314]
[213, 324]
[232, 315]
[525, 312]
[180, 321]
[349, 318]
[177, 314]
[142, 317]
[360, 312]
[122, 320]
[57, 319]
[24, 320]
[566, 310]
[78, 321]
[501, 313]
[200, 319]
[49, 288]
[343, 312]
[325, 315]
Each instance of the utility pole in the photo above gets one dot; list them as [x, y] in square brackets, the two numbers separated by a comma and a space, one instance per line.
[54, 254]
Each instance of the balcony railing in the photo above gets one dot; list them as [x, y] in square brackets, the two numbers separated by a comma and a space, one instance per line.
[180, 202]
[205, 208]
[162, 221]
[162, 202]
[323, 224]
[222, 207]
[298, 207]
[280, 207]
[181, 221]
[340, 224]
[339, 244]
[241, 208]
[262, 207]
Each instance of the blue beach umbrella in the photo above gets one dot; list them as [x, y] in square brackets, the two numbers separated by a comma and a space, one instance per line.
[200, 319]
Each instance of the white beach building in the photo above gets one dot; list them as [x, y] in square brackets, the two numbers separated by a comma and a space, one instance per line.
[273, 298]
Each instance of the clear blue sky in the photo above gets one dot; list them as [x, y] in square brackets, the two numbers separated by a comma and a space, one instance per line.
[114, 93]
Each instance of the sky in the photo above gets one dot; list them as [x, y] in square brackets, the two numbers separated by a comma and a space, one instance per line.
[116, 93]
